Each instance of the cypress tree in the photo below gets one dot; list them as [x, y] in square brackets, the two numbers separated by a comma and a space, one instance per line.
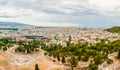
[63, 59]
[36, 67]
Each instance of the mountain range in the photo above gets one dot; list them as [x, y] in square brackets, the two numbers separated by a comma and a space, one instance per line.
[13, 24]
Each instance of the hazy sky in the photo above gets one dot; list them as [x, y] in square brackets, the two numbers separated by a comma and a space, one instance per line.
[87, 13]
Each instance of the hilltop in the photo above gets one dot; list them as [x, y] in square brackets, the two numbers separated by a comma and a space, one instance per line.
[115, 29]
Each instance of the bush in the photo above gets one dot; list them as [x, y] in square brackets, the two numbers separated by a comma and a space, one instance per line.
[109, 61]
[84, 58]
[93, 66]
[4, 48]
[45, 53]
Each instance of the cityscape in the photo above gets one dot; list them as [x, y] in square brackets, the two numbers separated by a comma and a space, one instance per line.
[58, 48]
[59, 35]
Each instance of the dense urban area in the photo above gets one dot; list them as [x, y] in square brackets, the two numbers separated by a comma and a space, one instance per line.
[59, 48]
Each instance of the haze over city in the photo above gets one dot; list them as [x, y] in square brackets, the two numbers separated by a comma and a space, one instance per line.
[85, 13]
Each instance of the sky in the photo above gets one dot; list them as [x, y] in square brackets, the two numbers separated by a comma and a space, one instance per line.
[83, 13]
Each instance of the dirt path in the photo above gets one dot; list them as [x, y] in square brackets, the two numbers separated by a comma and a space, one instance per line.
[1, 68]
[21, 60]
[57, 66]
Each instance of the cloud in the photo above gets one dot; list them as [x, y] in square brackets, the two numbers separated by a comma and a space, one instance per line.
[7, 11]
[39, 23]
[58, 12]
[105, 7]
[33, 17]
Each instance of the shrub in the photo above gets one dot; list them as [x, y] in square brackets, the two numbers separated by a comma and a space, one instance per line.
[109, 61]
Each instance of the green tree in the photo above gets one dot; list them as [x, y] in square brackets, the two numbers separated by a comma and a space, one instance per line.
[73, 62]
[58, 57]
[63, 59]
[98, 59]
[118, 54]
[36, 67]
[93, 66]
[109, 61]
[4, 48]
[79, 57]
[68, 43]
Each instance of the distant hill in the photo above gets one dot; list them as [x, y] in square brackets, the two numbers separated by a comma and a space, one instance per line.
[115, 29]
[12, 24]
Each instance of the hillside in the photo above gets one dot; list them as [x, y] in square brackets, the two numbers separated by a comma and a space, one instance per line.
[12, 24]
[115, 29]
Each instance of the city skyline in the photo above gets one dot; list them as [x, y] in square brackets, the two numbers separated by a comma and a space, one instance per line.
[86, 13]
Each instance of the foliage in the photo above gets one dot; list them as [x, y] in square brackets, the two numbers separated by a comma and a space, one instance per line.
[109, 61]
[83, 51]
[71, 52]
[63, 59]
[28, 47]
[73, 62]
[36, 67]
[115, 29]
[5, 43]
[93, 66]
